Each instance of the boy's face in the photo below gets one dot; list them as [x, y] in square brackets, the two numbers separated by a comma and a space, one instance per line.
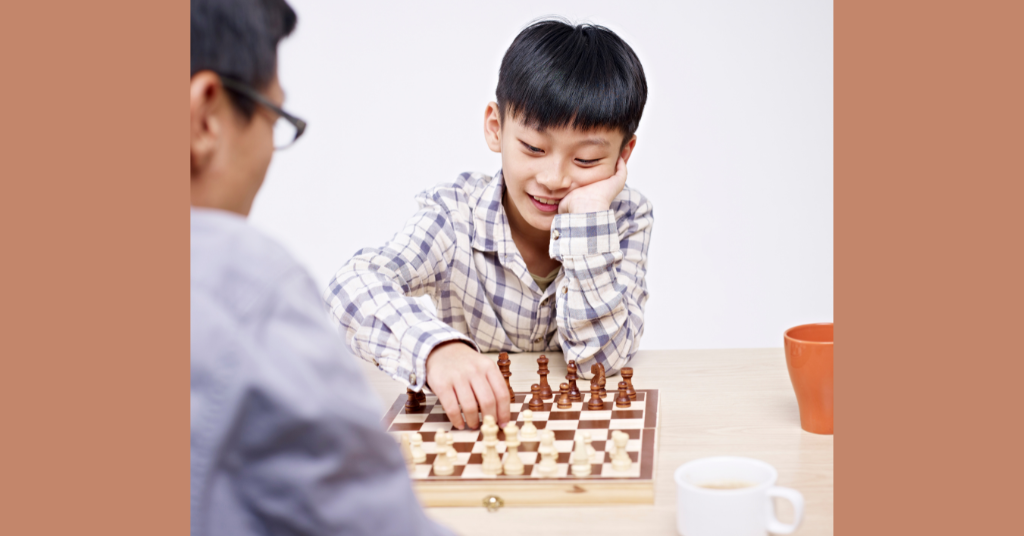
[542, 166]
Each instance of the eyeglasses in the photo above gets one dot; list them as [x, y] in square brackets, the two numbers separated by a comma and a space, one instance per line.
[287, 128]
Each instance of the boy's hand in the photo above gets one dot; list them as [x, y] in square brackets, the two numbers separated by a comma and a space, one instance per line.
[596, 196]
[466, 381]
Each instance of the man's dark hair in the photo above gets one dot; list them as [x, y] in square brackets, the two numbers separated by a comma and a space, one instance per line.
[238, 39]
[557, 74]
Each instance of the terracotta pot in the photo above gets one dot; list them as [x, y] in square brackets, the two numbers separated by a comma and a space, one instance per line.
[809, 359]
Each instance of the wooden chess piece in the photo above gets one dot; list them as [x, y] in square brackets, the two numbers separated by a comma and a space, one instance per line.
[529, 431]
[620, 458]
[591, 451]
[491, 460]
[596, 402]
[623, 400]
[413, 403]
[504, 364]
[542, 371]
[627, 374]
[421, 396]
[407, 452]
[513, 465]
[548, 455]
[536, 403]
[444, 465]
[574, 390]
[580, 458]
[563, 397]
[602, 380]
[416, 446]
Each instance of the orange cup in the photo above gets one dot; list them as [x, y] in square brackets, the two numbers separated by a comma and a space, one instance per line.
[809, 359]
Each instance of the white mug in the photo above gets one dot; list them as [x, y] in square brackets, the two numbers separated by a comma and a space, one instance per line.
[744, 510]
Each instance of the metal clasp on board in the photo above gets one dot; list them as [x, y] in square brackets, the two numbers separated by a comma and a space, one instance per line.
[493, 503]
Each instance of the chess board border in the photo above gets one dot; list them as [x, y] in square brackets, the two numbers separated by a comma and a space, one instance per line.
[537, 491]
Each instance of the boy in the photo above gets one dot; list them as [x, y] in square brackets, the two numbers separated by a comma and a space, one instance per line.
[549, 254]
[284, 437]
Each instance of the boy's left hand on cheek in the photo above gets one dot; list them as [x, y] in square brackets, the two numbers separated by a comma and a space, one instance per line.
[596, 196]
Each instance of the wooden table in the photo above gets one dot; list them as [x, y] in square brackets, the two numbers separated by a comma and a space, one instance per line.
[714, 402]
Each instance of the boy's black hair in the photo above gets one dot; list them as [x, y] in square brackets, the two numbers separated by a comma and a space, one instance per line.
[238, 39]
[557, 74]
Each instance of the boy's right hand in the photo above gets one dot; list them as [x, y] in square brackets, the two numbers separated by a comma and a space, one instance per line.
[466, 381]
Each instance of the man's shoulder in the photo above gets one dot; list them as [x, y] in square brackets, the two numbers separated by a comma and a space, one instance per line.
[233, 263]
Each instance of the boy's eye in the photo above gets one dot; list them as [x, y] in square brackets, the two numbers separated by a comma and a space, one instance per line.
[588, 162]
[530, 148]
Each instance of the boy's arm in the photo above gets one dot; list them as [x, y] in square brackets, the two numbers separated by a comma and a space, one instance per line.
[600, 302]
[373, 296]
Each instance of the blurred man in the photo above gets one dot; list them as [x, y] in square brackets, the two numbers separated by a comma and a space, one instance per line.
[285, 434]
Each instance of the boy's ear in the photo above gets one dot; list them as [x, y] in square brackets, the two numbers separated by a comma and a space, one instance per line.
[627, 150]
[206, 98]
[492, 127]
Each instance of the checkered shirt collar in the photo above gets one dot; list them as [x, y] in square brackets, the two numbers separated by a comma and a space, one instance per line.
[490, 224]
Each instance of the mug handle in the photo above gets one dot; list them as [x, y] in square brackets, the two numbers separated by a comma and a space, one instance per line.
[796, 499]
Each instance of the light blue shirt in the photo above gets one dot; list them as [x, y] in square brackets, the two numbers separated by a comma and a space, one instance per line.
[285, 433]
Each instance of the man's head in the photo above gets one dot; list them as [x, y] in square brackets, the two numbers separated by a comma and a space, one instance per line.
[232, 135]
[569, 101]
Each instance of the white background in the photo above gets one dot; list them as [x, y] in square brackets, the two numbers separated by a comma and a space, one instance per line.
[734, 148]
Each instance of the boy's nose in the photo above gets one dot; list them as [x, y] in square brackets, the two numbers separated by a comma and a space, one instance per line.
[553, 179]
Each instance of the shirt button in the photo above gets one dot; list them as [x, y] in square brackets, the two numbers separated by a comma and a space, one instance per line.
[554, 234]
[375, 363]
[538, 340]
[412, 378]
[565, 290]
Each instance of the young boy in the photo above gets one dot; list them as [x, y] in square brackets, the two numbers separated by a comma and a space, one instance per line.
[549, 254]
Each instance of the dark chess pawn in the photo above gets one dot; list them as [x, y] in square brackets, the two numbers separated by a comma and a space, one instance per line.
[536, 403]
[595, 397]
[504, 363]
[623, 400]
[563, 397]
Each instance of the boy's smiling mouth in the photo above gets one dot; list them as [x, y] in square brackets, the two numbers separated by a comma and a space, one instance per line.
[544, 204]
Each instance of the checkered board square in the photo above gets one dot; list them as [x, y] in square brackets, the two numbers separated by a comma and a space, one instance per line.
[639, 421]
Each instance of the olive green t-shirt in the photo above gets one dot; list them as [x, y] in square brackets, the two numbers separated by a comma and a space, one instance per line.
[543, 282]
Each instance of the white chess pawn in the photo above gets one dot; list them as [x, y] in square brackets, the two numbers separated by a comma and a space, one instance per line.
[491, 459]
[529, 431]
[620, 458]
[513, 464]
[548, 465]
[590, 448]
[443, 465]
[580, 459]
[416, 446]
[407, 452]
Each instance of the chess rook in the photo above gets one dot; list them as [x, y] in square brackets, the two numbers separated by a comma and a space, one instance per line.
[623, 400]
[627, 374]
[574, 391]
[542, 371]
[563, 397]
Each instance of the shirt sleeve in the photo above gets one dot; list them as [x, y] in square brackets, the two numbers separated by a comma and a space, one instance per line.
[305, 452]
[600, 301]
[373, 296]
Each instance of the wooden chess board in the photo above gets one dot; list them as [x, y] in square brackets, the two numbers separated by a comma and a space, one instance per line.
[468, 486]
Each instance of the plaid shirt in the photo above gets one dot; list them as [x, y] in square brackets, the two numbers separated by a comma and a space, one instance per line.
[458, 250]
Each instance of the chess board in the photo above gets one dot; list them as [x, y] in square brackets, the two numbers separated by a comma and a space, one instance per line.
[468, 486]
